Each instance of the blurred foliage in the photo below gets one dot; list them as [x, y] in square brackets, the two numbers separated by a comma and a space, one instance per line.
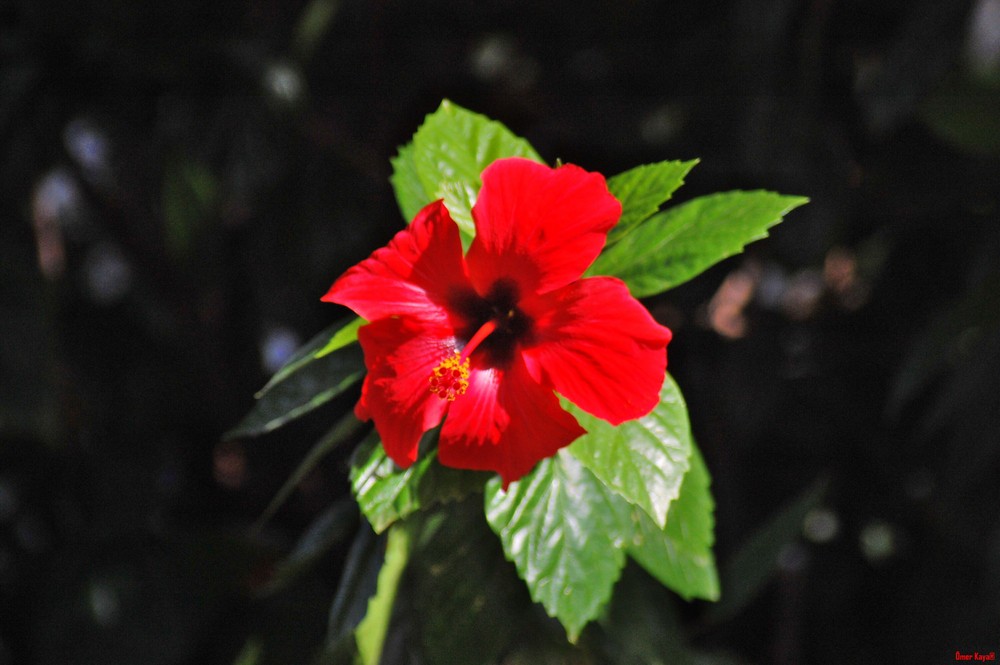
[180, 182]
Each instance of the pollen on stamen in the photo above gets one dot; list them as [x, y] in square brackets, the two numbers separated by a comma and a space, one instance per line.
[451, 378]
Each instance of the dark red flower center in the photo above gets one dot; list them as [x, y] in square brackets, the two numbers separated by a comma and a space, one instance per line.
[498, 313]
[492, 327]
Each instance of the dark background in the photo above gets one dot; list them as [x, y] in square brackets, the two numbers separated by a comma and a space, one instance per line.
[181, 181]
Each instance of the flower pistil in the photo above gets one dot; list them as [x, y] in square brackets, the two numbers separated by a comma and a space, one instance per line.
[450, 379]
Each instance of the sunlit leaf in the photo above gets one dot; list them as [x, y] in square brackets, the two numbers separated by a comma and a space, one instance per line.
[411, 194]
[643, 460]
[333, 338]
[561, 527]
[324, 368]
[680, 556]
[642, 190]
[445, 159]
[566, 532]
[370, 633]
[386, 493]
[673, 246]
[348, 334]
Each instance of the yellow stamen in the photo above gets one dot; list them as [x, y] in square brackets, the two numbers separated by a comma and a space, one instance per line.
[451, 378]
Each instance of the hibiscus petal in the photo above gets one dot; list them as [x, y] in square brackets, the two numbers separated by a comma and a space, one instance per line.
[401, 354]
[414, 275]
[537, 225]
[598, 347]
[506, 422]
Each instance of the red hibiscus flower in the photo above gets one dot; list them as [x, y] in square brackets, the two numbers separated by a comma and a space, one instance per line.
[483, 342]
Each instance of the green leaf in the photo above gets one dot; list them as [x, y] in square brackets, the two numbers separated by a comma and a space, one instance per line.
[963, 112]
[459, 197]
[642, 190]
[466, 598]
[643, 460]
[358, 583]
[680, 556]
[561, 528]
[190, 195]
[343, 651]
[411, 194]
[321, 370]
[344, 336]
[331, 527]
[252, 652]
[313, 24]
[745, 575]
[642, 625]
[370, 633]
[333, 338]
[339, 433]
[445, 159]
[673, 246]
[387, 493]
[566, 528]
